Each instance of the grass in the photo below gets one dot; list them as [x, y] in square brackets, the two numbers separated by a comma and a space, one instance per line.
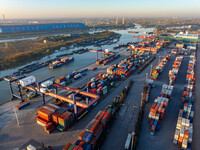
[16, 53]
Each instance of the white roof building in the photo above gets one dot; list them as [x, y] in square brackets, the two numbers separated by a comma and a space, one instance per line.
[187, 35]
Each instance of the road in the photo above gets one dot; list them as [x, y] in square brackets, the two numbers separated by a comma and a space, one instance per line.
[163, 139]
[119, 131]
[13, 135]
[196, 135]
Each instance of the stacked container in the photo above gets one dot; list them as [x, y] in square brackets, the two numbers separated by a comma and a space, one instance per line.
[175, 68]
[158, 108]
[126, 67]
[94, 131]
[98, 85]
[22, 105]
[65, 121]
[184, 127]
[159, 68]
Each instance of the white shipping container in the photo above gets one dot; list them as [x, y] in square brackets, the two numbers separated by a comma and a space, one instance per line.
[27, 81]
[50, 109]
[176, 135]
[40, 123]
[43, 90]
[53, 105]
[182, 131]
[30, 147]
[184, 144]
[187, 122]
[47, 83]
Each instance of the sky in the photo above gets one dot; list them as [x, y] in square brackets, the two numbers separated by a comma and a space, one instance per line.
[98, 8]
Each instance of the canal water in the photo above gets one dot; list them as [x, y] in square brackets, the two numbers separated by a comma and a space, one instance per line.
[80, 61]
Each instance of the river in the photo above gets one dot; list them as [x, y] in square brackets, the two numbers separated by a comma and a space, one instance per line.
[80, 61]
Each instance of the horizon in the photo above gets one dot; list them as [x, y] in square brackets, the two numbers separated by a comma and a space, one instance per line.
[23, 9]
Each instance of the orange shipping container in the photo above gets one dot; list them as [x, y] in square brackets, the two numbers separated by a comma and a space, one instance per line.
[94, 126]
[81, 135]
[186, 135]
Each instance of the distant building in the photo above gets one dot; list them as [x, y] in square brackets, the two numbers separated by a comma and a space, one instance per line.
[38, 27]
[187, 35]
[191, 46]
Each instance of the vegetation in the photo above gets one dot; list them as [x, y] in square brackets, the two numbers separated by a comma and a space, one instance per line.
[18, 52]
[178, 39]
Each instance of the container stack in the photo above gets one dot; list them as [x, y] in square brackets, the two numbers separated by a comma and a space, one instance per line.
[157, 113]
[44, 115]
[71, 146]
[158, 108]
[159, 68]
[65, 121]
[105, 61]
[184, 127]
[94, 131]
[175, 68]
[22, 105]
[126, 67]
[99, 85]
[51, 116]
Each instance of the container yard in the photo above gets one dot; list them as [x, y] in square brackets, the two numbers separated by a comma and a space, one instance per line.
[95, 131]
[177, 125]
[184, 127]
[48, 128]
[83, 109]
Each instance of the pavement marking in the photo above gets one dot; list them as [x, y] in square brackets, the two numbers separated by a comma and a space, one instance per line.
[131, 117]
[125, 111]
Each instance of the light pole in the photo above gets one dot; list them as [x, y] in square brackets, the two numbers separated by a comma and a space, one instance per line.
[16, 115]
[146, 77]
[151, 69]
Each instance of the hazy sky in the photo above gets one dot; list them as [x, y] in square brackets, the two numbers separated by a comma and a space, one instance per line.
[98, 8]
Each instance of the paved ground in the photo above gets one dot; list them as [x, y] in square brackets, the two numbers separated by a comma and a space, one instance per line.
[118, 133]
[27, 118]
[196, 135]
[12, 135]
[163, 139]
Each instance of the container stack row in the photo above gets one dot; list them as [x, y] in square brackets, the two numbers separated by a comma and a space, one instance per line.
[174, 71]
[158, 108]
[94, 133]
[184, 127]
[52, 116]
[127, 66]
[105, 61]
[99, 84]
[22, 105]
[64, 80]
[159, 68]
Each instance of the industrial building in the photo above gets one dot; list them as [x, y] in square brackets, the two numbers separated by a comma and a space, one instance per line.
[38, 27]
[186, 35]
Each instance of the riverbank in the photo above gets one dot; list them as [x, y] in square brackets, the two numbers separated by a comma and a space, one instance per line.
[20, 52]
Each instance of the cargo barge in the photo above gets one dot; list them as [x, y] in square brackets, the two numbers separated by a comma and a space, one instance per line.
[61, 62]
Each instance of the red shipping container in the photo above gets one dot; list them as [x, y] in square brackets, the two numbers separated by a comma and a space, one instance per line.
[98, 129]
[67, 146]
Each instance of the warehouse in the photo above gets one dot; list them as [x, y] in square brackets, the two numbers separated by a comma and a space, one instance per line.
[38, 27]
[187, 35]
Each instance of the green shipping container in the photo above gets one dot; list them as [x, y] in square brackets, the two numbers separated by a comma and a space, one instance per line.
[71, 147]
